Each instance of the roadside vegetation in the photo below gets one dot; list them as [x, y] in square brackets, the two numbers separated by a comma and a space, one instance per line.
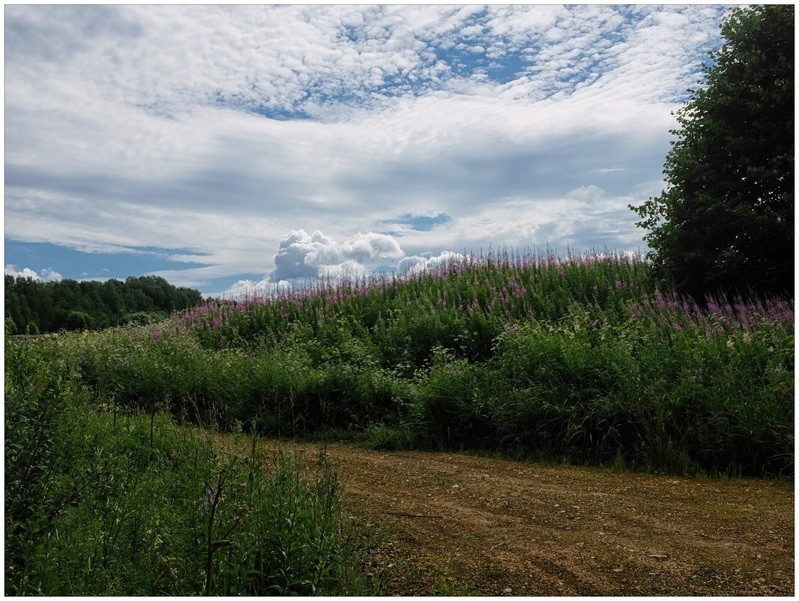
[580, 359]
[103, 500]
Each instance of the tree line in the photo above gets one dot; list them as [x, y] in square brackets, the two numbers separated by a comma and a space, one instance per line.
[35, 307]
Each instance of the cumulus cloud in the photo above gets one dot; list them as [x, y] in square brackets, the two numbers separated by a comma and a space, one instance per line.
[45, 275]
[257, 289]
[299, 265]
[427, 262]
[303, 256]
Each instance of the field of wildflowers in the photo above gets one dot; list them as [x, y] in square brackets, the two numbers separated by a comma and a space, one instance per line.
[579, 359]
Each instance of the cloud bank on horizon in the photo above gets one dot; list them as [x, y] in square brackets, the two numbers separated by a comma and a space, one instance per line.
[45, 275]
[218, 136]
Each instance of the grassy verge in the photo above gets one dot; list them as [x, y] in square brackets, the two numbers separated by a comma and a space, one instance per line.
[104, 500]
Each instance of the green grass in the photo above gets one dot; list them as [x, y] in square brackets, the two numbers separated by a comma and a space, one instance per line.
[105, 500]
[581, 359]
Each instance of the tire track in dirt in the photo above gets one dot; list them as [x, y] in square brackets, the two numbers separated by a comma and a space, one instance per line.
[463, 524]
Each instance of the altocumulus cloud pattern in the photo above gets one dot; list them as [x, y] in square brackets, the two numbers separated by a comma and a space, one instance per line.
[209, 140]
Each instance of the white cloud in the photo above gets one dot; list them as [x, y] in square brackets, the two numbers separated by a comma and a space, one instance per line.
[347, 269]
[303, 256]
[426, 263]
[589, 193]
[307, 266]
[251, 289]
[217, 129]
[45, 275]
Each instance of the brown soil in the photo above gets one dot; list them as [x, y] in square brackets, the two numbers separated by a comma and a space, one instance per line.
[461, 524]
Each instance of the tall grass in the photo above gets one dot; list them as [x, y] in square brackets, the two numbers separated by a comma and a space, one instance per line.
[104, 500]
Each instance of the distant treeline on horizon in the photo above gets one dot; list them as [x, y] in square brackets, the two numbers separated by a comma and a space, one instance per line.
[35, 307]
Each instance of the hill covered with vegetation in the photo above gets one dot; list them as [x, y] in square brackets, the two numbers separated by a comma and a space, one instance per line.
[580, 359]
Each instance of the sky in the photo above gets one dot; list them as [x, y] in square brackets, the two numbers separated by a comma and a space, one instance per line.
[239, 148]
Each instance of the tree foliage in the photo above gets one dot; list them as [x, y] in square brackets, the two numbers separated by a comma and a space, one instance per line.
[37, 307]
[724, 223]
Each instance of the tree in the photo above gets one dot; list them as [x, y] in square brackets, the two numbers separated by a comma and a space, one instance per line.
[77, 320]
[724, 223]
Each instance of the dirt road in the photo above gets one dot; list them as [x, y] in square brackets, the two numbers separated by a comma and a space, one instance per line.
[460, 524]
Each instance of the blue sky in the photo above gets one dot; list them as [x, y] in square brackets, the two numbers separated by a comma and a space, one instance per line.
[227, 148]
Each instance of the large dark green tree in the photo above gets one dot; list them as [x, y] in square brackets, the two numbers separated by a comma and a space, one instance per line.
[725, 222]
